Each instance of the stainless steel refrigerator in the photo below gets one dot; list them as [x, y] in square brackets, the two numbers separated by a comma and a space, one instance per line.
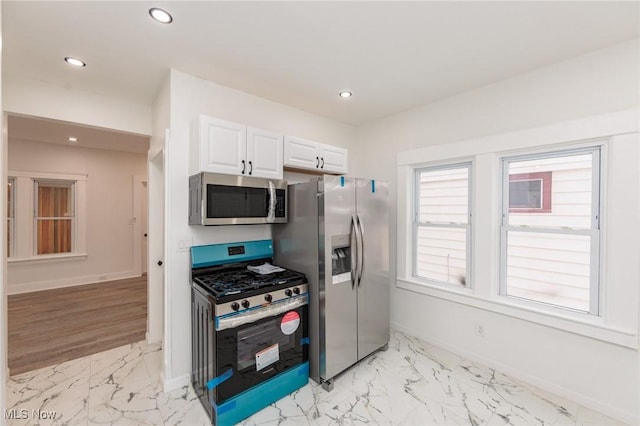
[338, 235]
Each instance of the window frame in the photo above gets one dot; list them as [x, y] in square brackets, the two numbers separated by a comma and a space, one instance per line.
[546, 179]
[416, 225]
[25, 211]
[594, 231]
[61, 183]
[11, 216]
[618, 135]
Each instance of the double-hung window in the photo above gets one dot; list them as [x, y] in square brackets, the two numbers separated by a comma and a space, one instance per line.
[550, 231]
[54, 216]
[442, 224]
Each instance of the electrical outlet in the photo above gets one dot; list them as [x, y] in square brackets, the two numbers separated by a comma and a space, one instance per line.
[480, 330]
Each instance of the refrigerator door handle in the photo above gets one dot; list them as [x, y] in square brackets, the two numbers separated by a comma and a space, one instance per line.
[360, 249]
[354, 250]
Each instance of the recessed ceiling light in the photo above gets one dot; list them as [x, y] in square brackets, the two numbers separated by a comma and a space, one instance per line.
[345, 94]
[74, 61]
[160, 15]
[72, 139]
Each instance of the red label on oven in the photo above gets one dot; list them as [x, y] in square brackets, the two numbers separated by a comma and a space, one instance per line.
[290, 322]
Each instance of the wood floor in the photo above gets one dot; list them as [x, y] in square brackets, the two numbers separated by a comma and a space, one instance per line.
[53, 326]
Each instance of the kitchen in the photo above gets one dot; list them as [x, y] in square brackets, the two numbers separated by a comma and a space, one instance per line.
[538, 97]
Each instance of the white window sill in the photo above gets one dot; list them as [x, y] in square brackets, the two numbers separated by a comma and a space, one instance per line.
[47, 258]
[582, 324]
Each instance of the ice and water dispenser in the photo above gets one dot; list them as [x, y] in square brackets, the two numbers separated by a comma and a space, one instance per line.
[340, 259]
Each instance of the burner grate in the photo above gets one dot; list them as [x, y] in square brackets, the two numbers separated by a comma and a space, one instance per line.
[226, 283]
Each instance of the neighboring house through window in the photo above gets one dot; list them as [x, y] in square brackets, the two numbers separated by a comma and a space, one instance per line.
[552, 258]
[530, 192]
[442, 227]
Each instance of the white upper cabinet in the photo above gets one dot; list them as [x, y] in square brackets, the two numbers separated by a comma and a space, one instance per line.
[264, 154]
[301, 153]
[333, 158]
[222, 146]
[309, 155]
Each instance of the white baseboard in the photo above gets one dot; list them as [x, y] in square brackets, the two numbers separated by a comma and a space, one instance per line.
[584, 400]
[67, 282]
[153, 339]
[176, 382]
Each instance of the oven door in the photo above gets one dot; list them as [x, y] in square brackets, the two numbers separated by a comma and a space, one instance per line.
[259, 350]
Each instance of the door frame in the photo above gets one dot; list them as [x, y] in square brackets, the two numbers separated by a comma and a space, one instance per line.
[156, 247]
[138, 236]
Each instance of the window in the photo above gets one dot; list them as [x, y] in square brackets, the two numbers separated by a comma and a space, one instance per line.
[46, 216]
[530, 192]
[552, 258]
[54, 216]
[442, 226]
[11, 199]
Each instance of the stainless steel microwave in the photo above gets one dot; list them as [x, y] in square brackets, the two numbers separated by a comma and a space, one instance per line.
[217, 199]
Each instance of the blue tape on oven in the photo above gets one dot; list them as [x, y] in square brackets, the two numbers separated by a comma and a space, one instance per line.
[341, 180]
[224, 407]
[221, 378]
[373, 185]
[304, 341]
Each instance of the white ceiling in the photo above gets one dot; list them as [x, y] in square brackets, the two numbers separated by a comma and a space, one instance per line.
[53, 131]
[393, 55]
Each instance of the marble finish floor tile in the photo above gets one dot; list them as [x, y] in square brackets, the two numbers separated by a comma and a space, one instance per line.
[412, 383]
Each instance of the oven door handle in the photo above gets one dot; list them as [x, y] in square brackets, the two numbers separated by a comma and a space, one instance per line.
[235, 320]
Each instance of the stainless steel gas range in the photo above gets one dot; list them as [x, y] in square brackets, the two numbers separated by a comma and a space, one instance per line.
[249, 329]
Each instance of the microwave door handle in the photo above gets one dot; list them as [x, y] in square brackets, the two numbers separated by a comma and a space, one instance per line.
[271, 215]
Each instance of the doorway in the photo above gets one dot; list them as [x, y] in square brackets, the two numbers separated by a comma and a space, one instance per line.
[94, 172]
[140, 225]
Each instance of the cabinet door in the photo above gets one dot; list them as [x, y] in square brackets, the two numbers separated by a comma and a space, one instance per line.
[333, 159]
[223, 146]
[301, 153]
[264, 154]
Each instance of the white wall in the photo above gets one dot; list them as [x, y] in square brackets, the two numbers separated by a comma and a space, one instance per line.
[189, 97]
[596, 83]
[109, 210]
[37, 98]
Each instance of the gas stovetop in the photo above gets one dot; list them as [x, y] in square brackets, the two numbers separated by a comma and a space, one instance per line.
[221, 271]
[227, 285]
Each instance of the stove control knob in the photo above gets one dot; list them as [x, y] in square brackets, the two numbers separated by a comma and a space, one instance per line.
[287, 292]
[268, 298]
[296, 290]
[245, 304]
[235, 306]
